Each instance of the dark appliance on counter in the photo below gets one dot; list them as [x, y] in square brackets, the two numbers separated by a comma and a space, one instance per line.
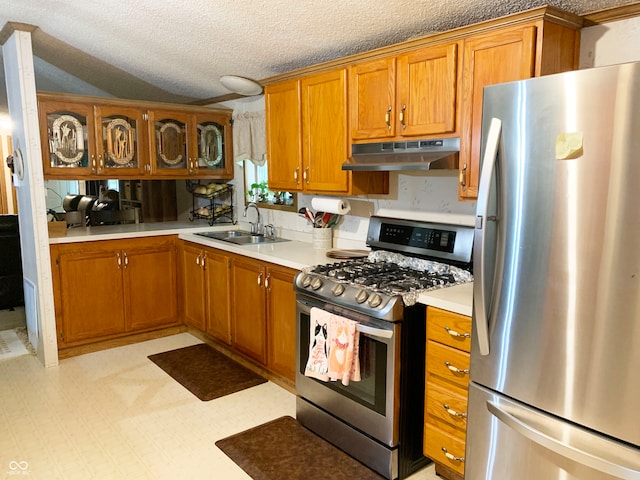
[11, 288]
[379, 420]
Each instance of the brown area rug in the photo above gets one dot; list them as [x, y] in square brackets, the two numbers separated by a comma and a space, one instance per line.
[284, 449]
[205, 372]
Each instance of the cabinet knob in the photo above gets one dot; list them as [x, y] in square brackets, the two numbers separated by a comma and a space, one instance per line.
[450, 456]
[401, 117]
[455, 369]
[463, 177]
[452, 412]
[453, 333]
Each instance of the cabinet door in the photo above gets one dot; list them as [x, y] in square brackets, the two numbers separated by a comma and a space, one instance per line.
[281, 315]
[193, 286]
[284, 136]
[496, 57]
[249, 325]
[150, 287]
[213, 147]
[67, 135]
[121, 134]
[217, 272]
[324, 128]
[168, 133]
[91, 294]
[427, 86]
[372, 87]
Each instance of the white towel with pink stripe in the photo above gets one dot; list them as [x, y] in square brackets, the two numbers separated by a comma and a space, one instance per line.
[333, 348]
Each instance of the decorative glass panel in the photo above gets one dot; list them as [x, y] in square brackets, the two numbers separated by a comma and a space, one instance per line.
[68, 141]
[210, 145]
[171, 146]
[119, 142]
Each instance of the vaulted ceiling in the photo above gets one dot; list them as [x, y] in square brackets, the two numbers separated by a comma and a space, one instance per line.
[175, 51]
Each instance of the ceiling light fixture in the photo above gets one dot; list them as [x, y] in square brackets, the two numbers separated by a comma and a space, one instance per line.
[241, 85]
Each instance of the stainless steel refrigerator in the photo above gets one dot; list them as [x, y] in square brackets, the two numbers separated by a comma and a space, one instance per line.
[555, 359]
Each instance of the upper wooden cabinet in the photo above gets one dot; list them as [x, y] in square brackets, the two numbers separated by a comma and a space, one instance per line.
[409, 95]
[506, 55]
[67, 134]
[284, 136]
[86, 137]
[190, 144]
[307, 138]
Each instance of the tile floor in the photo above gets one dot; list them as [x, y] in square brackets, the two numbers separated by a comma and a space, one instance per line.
[114, 415]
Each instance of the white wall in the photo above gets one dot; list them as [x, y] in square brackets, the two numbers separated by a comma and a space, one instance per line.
[34, 237]
[610, 43]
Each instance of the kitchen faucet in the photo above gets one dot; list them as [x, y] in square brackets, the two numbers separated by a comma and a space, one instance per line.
[257, 226]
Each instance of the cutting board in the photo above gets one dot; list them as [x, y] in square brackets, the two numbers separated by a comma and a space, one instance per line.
[346, 254]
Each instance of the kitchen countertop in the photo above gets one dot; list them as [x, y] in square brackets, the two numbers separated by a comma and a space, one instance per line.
[457, 299]
[293, 254]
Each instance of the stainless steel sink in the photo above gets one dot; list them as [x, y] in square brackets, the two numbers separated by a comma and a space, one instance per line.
[254, 239]
[241, 237]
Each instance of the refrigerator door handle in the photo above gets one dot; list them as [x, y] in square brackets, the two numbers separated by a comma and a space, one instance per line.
[480, 290]
[551, 440]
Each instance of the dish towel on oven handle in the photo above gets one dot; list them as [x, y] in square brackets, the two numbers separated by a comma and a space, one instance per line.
[333, 349]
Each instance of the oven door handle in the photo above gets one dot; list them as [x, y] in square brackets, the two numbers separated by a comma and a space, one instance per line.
[376, 332]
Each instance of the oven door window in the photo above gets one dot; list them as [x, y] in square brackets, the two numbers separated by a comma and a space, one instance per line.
[371, 391]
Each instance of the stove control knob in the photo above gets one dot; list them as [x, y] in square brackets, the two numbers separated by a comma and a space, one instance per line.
[316, 283]
[338, 290]
[362, 296]
[306, 281]
[375, 300]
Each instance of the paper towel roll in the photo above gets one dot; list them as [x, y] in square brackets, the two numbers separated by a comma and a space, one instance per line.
[331, 205]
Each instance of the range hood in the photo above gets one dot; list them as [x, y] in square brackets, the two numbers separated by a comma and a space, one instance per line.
[441, 154]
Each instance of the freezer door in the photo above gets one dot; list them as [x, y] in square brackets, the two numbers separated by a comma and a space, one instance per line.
[557, 248]
[511, 441]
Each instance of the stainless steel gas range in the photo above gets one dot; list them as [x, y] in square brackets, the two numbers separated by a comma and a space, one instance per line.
[379, 418]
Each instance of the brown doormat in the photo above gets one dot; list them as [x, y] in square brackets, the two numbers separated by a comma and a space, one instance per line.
[284, 449]
[205, 372]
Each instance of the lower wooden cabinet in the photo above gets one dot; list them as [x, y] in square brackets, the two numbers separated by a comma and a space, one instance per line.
[205, 287]
[249, 315]
[246, 303]
[264, 314]
[112, 288]
[446, 393]
[281, 321]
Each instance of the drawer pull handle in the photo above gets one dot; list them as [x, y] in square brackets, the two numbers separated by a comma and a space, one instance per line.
[452, 412]
[453, 333]
[455, 369]
[451, 456]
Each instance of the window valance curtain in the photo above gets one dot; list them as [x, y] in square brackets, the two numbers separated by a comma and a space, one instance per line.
[249, 137]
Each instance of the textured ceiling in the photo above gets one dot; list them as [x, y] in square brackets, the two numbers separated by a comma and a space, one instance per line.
[175, 51]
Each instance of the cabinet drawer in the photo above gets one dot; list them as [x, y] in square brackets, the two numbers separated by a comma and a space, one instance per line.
[438, 444]
[447, 410]
[446, 365]
[449, 328]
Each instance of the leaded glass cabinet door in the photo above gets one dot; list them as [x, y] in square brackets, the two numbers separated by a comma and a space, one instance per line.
[121, 140]
[214, 145]
[68, 142]
[169, 132]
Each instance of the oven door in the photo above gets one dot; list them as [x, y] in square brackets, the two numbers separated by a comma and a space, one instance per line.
[372, 404]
